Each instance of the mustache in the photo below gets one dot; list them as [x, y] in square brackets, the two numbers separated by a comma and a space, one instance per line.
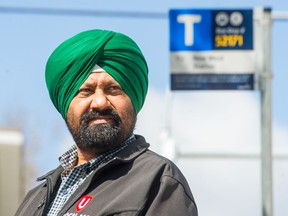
[91, 115]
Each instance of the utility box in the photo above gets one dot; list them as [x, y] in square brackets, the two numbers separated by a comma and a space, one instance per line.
[11, 184]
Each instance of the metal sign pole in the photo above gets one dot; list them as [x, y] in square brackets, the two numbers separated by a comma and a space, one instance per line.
[266, 118]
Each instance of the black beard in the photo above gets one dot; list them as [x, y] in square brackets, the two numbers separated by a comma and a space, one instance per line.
[100, 137]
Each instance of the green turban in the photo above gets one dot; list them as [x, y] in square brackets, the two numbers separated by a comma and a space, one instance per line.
[72, 62]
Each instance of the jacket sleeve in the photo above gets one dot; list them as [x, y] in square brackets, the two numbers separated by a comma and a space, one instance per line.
[173, 198]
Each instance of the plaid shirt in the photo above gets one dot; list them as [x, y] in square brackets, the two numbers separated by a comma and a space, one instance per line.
[72, 177]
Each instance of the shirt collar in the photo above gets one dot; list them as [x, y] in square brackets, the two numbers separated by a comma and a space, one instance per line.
[69, 158]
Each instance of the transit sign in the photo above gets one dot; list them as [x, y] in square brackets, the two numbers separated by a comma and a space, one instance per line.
[211, 49]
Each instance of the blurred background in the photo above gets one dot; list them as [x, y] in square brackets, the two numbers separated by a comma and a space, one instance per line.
[202, 121]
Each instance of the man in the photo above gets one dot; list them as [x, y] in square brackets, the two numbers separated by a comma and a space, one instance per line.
[98, 82]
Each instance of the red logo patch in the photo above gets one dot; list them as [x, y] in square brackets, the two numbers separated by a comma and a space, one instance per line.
[83, 203]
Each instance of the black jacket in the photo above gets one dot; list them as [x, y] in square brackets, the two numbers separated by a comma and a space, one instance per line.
[136, 182]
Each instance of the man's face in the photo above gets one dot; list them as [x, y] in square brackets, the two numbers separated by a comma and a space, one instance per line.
[101, 115]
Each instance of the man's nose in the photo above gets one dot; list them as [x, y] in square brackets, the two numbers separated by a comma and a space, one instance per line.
[99, 101]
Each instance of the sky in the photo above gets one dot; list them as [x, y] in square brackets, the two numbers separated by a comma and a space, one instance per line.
[200, 122]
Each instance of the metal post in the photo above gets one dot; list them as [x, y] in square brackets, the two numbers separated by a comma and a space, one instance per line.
[168, 147]
[266, 118]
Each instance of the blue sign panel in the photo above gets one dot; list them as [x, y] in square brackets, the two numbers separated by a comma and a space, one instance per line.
[232, 29]
[212, 81]
[211, 49]
[190, 23]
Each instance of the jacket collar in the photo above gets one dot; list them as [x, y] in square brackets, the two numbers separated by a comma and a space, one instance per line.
[133, 150]
[53, 173]
[126, 155]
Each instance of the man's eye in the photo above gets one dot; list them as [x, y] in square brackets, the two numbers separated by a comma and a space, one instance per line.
[85, 91]
[115, 89]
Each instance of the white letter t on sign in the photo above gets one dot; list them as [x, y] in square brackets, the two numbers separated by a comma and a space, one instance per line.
[188, 21]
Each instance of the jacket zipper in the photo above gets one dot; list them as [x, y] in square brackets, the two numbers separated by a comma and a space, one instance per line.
[46, 203]
[38, 210]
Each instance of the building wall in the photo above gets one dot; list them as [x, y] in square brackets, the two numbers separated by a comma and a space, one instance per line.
[11, 184]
